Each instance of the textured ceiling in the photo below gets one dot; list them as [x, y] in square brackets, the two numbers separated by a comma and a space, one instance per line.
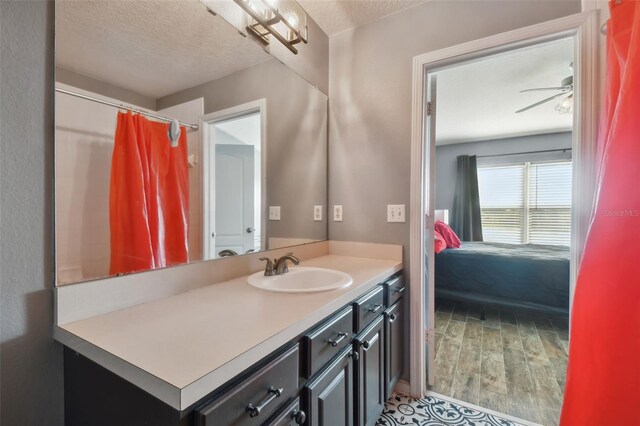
[478, 100]
[335, 16]
[154, 48]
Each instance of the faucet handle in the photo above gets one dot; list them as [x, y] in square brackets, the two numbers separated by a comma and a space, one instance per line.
[268, 269]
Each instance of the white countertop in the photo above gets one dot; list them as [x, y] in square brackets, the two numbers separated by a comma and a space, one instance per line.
[181, 348]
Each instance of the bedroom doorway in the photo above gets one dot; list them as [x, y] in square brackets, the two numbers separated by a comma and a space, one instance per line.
[524, 355]
[503, 176]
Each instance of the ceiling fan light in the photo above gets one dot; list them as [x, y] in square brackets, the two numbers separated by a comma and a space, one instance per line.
[566, 106]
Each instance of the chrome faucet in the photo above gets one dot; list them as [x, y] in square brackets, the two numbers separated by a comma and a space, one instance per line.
[280, 265]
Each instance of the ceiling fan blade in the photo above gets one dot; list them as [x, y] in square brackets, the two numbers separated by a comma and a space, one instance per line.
[550, 98]
[538, 89]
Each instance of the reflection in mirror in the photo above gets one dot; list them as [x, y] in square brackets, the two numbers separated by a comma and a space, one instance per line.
[177, 140]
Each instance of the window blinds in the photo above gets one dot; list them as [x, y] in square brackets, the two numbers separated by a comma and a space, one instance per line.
[526, 203]
[550, 203]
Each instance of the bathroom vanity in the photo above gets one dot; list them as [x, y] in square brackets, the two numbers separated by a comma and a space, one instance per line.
[325, 358]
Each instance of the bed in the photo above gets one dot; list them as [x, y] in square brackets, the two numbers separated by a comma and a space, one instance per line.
[515, 276]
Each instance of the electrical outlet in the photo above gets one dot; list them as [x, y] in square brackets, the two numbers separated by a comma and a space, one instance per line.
[395, 213]
[317, 213]
[337, 213]
[274, 212]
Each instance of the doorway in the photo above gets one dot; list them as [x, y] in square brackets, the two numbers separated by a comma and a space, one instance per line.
[583, 30]
[503, 177]
[233, 153]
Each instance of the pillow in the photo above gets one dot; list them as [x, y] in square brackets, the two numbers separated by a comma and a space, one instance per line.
[440, 243]
[447, 234]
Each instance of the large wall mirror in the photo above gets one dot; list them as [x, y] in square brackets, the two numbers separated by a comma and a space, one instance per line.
[178, 140]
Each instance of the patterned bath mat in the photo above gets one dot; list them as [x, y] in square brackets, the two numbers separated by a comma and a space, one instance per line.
[434, 410]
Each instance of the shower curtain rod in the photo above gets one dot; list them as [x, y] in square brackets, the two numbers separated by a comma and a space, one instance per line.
[148, 114]
[526, 152]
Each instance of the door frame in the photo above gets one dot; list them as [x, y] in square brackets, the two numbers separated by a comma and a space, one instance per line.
[207, 123]
[583, 27]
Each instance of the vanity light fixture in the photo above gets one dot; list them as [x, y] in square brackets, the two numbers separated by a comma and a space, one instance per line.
[283, 19]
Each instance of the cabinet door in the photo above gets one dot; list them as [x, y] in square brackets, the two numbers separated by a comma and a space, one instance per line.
[329, 396]
[394, 346]
[370, 373]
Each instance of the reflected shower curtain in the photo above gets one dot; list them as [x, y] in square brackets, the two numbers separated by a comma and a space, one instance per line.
[149, 196]
[603, 377]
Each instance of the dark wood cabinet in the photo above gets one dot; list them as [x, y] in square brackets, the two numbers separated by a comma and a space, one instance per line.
[323, 343]
[368, 308]
[323, 377]
[252, 401]
[370, 378]
[394, 348]
[329, 396]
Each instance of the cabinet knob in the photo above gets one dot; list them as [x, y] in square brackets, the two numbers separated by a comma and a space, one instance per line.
[393, 317]
[354, 355]
[366, 345]
[299, 417]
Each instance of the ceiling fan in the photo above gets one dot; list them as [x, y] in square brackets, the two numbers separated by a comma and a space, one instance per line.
[566, 87]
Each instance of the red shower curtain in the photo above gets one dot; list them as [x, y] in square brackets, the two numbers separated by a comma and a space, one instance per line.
[603, 377]
[149, 196]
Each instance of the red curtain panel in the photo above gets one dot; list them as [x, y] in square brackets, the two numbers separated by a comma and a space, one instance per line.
[149, 196]
[603, 376]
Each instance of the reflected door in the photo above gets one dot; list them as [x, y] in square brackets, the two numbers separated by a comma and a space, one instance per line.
[234, 198]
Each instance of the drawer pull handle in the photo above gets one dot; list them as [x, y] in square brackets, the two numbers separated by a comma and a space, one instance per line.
[400, 290]
[299, 417]
[375, 308]
[393, 317]
[340, 338]
[273, 393]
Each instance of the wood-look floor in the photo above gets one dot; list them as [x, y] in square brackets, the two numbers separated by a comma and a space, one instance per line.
[511, 362]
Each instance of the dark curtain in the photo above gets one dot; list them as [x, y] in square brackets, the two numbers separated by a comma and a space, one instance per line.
[465, 215]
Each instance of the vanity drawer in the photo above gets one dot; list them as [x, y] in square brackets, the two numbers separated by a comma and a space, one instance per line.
[326, 341]
[291, 415]
[368, 308]
[395, 288]
[259, 395]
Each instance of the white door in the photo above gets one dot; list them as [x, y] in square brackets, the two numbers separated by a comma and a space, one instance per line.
[430, 178]
[234, 198]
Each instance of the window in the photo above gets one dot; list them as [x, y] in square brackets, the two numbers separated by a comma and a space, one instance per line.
[526, 203]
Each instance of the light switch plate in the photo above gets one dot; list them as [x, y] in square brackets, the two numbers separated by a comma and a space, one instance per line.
[274, 212]
[395, 213]
[317, 213]
[337, 213]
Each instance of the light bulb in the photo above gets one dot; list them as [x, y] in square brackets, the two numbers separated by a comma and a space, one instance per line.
[292, 19]
[566, 106]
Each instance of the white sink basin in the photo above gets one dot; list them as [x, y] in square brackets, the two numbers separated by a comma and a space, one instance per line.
[302, 279]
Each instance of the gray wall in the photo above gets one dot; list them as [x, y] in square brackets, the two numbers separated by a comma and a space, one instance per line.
[296, 140]
[446, 163]
[31, 363]
[96, 86]
[370, 77]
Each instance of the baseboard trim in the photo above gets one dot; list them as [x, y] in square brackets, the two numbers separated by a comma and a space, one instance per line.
[403, 388]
